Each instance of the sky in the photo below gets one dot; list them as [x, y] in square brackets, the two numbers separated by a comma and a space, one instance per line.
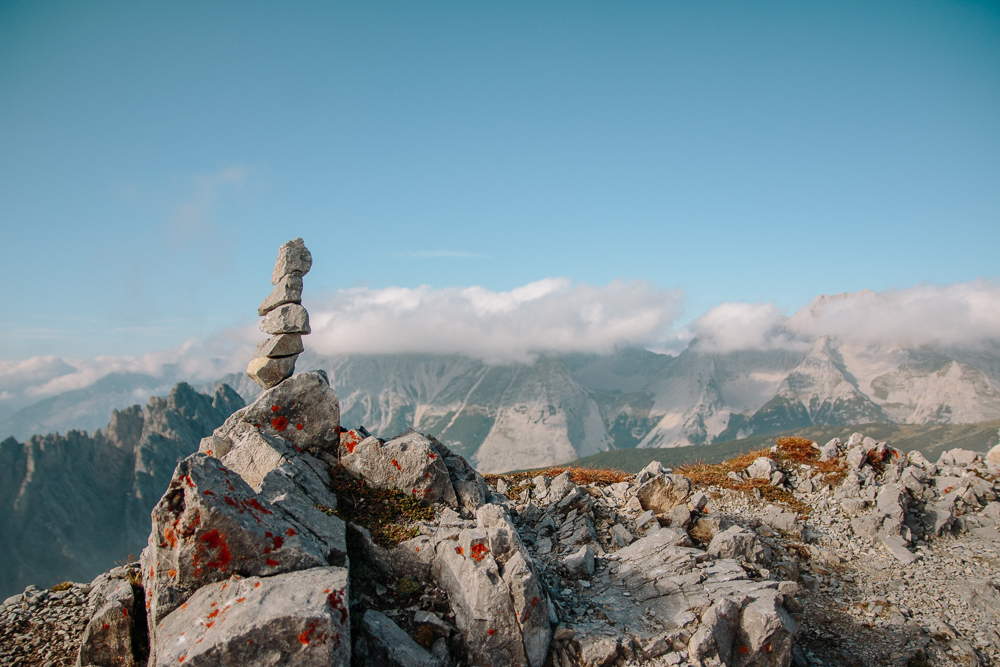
[521, 175]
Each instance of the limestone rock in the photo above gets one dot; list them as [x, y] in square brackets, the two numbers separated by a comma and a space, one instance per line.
[287, 319]
[303, 410]
[741, 544]
[297, 618]
[765, 635]
[664, 492]
[762, 468]
[293, 259]
[210, 525]
[382, 642]
[268, 372]
[408, 462]
[283, 345]
[580, 563]
[292, 481]
[288, 289]
[993, 456]
[107, 639]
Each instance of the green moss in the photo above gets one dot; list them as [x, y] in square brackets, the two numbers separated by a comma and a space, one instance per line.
[388, 514]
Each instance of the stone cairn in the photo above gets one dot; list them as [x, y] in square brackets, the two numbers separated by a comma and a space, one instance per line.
[284, 317]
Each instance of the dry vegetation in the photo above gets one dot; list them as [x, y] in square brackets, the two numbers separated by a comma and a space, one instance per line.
[786, 452]
[388, 514]
[579, 475]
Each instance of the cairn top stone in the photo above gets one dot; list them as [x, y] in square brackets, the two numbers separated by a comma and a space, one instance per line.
[293, 258]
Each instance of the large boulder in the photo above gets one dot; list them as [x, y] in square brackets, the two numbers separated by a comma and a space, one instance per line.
[209, 526]
[298, 618]
[303, 410]
[409, 463]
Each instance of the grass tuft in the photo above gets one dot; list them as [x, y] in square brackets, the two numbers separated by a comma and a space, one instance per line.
[62, 586]
[388, 514]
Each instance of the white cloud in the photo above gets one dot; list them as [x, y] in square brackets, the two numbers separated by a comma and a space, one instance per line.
[553, 314]
[958, 314]
[961, 314]
[548, 315]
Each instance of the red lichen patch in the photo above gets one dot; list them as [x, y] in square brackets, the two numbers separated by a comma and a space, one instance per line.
[187, 478]
[171, 573]
[534, 601]
[491, 632]
[350, 439]
[256, 584]
[395, 464]
[336, 602]
[105, 626]
[278, 541]
[290, 532]
[767, 647]
[459, 551]
[432, 456]
[298, 426]
[182, 658]
[275, 408]
[307, 635]
[207, 492]
[210, 624]
[280, 423]
[170, 536]
[254, 503]
[479, 552]
[271, 562]
[744, 650]
[241, 599]
[214, 613]
[215, 541]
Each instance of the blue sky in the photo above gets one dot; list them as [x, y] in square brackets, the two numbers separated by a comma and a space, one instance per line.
[154, 155]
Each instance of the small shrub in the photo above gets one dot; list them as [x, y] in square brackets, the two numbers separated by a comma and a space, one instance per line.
[62, 586]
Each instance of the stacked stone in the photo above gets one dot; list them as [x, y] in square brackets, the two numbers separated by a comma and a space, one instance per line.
[284, 317]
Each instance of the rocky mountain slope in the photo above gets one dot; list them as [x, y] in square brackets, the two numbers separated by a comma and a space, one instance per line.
[853, 553]
[72, 504]
[506, 416]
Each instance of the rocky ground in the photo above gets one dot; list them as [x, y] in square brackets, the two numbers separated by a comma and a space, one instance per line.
[849, 554]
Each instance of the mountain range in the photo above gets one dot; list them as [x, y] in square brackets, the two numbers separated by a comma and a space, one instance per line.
[561, 407]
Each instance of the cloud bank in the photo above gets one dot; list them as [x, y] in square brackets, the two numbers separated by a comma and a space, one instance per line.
[961, 314]
[551, 315]
[548, 315]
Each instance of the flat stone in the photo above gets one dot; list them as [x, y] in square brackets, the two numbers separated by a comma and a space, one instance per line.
[268, 372]
[298, 618]
[293, 259]
[282, 345]
[286, 319]
[739, 544]
[897, 547]
[287, 290]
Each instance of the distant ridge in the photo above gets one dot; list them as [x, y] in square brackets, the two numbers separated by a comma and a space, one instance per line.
[930, 439]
